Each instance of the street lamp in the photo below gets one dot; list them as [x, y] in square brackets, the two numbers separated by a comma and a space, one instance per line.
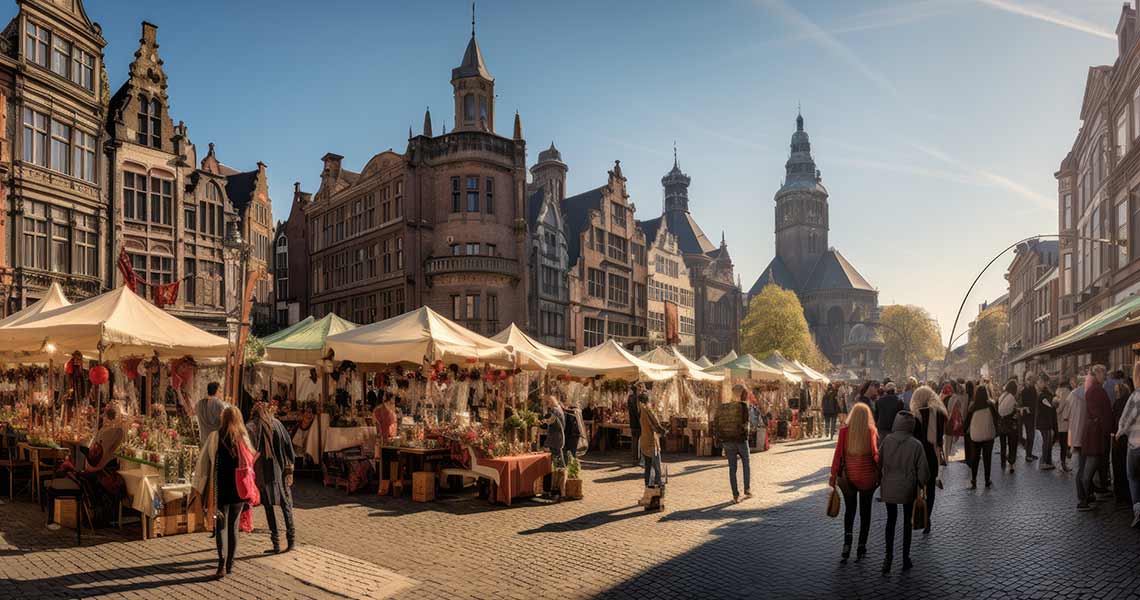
[236, 252]
[1121, 243]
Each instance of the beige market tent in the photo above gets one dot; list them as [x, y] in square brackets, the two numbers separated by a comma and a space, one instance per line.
[778, 361]
[612, 361]
[671, 357]
[724, 360]
[122, 322]
[414, 337]
[52, 300]
[812, 374]
[529, 353]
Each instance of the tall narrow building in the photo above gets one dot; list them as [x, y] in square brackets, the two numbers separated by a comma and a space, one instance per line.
[549, 262]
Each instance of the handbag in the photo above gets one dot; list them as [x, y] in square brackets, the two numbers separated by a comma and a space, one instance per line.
[920, 510]
[244, 478]
[956, 423]
[833, 503]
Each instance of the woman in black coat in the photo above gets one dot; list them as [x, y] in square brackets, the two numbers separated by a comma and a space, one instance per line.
[930, 413]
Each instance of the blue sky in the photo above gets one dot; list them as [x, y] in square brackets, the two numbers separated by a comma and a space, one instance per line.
[937, 124]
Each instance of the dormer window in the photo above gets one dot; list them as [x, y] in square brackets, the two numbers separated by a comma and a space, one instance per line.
[150, 122]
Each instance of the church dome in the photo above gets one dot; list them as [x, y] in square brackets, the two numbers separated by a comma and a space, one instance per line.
[862, 334]
[550, 154]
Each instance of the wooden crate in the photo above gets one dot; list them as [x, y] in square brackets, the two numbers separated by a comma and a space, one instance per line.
[674, 443]
[423, 486]
[65, 510]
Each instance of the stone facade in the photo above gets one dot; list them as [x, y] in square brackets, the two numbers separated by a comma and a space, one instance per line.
[54, 97]
[1027, 275]
[608, 275]
[669, 283]
[291, 263]
[443, 224]
[549, 302]
[834, 295]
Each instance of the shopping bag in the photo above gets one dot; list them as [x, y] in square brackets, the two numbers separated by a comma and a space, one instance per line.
[920, 510]
[833, 503]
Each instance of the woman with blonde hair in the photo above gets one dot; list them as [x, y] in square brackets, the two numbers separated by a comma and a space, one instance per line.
[855, 470]
[216, 479]
[930, 428]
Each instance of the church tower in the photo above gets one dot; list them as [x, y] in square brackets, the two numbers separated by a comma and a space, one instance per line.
[676, 186]
[474, 90]
[550, 173]
[801, 209]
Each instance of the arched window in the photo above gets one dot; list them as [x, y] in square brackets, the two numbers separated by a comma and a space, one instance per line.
[469, 107]
[150, 122]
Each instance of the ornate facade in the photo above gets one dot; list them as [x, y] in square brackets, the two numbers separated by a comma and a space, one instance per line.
[443, 224]
[549, 262]
[54, 98]
[834, 295]
[608, 275]
[670, 291]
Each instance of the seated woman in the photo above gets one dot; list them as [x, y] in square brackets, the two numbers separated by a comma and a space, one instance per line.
[100, 478]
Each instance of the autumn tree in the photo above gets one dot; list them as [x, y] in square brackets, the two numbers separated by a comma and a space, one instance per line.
[988, 336]
[912, 338]
[775, 321]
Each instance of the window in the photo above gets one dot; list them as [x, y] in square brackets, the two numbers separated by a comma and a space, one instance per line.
[392, 302]
[1067, 212]
[189, 216]
[371, 260]
[134, 196]
[597, 284]
[618, 214]
[161, 200]
[455, 205]
[386, 255]
[190, 283]
[618, 289]
[60, 147]
[492, 311]
[489, 196]
[656, 321]
[665, 266]
[599, 239]
[83, 68]
[86, 246]
[618, 249]
[61, 56]
[60, 244]
[469, 107]
[472, 194]
[35, 137]
[490, 248]
[550, 280]
[1067, 275]
[639, 298]
[399, 253]
[593, 332]
[472, 249]
[638, 254]
[1121, 135]
[618, 330]
[35, 235]
[473, 307]
[83, 161]
[36, 45]
[161, 270]
[1122, 232]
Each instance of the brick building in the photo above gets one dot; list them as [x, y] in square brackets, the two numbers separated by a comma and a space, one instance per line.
[1027, 276]
[54, 96]
[608, 270]
[443, 224]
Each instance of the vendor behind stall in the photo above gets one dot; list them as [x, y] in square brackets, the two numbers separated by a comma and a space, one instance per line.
[385, 417]
[100, 478]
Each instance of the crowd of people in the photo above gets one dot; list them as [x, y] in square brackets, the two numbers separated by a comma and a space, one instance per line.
[897, 443]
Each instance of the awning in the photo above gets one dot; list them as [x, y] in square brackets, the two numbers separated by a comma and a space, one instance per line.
[671, 357]
[1115, 326]
[304, 341]
[612, 361]
[414, 337]
[747, 367]
[529, 352]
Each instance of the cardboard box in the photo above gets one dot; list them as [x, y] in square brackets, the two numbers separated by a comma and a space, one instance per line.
[423, 486]
[572, 489]
[65, 512]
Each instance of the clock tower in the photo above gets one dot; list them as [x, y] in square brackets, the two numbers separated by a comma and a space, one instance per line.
[801, 209]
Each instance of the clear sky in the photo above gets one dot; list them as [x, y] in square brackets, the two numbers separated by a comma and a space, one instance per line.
[937, 124]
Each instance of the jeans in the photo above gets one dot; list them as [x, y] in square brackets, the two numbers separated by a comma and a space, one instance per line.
[1134, 476]
[225, 533]
[1029, 428]
[1009, 441]
[1046, 447]
[652, 463]
[862, 500]
[733, 450]
[1086, 467]
[829, 425]
[1063, 441]
[892, 517]
[287, 512]
[983, 452]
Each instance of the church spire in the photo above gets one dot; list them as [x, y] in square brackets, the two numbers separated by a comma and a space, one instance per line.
[427, 122]
[518, 127]
[676, 185]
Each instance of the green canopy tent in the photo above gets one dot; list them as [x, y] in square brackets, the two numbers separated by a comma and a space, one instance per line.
[303, 342]
[747, 367]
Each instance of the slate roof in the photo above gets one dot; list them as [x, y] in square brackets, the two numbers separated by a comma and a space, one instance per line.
[472, 64]
[650, 227]
[833, 272]
[576, 215]
[690, 238]
[776, 272]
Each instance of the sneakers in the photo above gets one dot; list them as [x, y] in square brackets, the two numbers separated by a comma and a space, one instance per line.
[1084, 507]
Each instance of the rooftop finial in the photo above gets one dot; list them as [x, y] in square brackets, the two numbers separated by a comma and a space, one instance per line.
[674, 154]
[472, 19]
[799, 118]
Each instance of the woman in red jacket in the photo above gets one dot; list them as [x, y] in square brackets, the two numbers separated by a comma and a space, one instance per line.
[855, 469]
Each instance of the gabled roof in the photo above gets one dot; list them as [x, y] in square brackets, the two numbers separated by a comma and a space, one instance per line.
[690, 238]
[650, 228]
[777, 273]
[576, 212]
[833, 272]
[472, 64]
[239, 186]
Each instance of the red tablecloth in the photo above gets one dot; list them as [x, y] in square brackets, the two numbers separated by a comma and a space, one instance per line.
[517, 474]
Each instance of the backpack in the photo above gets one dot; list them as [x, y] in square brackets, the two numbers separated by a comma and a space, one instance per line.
[731, 423]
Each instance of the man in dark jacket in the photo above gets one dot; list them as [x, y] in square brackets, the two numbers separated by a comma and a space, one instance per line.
[732, 435]
[886, 407]
[1029, 400]
[830, 409]
[274, 470]
[634, 422]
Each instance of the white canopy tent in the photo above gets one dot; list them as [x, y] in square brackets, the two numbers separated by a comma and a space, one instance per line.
[671, 357]
[52, 300]
[121, 323]
[530, 353]
[724, 360]
[612, 361]
[812, 374]
[414, 337]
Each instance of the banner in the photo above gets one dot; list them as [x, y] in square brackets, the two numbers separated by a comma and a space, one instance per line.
[672, 324]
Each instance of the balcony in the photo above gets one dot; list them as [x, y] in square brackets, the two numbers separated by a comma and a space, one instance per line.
[496, 265]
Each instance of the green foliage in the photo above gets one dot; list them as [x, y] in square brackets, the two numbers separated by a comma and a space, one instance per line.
[528, 417]
[912, 339]
[574, 469]
[987, 337]
[775, 321]
[254, 350]
[513, 422]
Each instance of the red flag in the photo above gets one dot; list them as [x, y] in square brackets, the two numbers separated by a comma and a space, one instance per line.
[130, 279]
[672, 324]
[166, 294]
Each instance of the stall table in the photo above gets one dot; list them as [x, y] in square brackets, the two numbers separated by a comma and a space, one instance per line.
[332, 439]
[149, 496]
[518, 474]
[604, 433]
[409, 460]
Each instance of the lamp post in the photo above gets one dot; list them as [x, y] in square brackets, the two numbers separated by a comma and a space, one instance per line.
[236, 251]
[1122, 243]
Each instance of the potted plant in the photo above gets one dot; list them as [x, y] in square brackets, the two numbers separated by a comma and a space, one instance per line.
[572, 487]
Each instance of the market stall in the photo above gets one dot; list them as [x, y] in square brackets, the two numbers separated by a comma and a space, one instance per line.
[807, 398]
[699, 392]
[770, 387]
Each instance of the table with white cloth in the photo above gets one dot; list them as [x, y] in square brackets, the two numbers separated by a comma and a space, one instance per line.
[332, 439]
[147, 494]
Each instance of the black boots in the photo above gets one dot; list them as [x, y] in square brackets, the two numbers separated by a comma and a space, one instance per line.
[276, 547]
[846, 547]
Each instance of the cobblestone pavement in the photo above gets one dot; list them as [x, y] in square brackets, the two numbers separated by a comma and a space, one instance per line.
[1020, 539]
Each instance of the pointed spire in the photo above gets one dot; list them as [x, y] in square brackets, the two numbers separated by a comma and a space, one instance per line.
[722, 243]
[518, 126]
[799, 118]
[443, 126]
[675, 165]
[427, 122]
[472, 19]
[410, 135]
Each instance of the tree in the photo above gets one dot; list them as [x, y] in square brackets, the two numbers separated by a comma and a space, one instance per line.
[988, 336]
[912, 338]
[775, 321]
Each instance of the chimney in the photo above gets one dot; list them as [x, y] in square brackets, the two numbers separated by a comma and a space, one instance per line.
[332, 166]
